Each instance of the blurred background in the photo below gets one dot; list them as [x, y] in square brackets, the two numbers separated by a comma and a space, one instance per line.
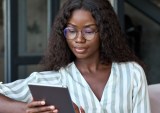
[25, 27]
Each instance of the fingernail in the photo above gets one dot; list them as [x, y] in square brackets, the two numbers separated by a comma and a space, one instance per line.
[43, 102]
[56, 110]
[52, 107]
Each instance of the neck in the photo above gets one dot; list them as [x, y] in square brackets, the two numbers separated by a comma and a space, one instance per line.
[89, 65]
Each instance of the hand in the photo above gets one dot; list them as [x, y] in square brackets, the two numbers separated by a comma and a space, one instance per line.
[77, 109]
[39, 107]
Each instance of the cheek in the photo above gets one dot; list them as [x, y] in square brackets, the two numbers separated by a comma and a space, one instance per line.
[97, 42]
[69, 42]
[95, 45]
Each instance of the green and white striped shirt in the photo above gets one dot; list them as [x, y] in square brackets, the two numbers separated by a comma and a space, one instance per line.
[125, 92]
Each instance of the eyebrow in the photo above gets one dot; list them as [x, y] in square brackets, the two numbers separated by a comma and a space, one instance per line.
[69, 24]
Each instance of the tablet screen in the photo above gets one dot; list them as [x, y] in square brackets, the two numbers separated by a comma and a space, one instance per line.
[53, 95]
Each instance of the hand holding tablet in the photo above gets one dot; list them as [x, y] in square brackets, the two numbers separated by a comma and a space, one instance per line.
[57, 96]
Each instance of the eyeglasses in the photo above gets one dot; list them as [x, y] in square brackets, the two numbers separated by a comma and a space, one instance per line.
[87, 32]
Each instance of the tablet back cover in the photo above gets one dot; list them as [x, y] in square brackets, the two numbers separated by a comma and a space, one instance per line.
[53, 95]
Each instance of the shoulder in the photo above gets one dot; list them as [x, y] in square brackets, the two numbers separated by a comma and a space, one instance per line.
[45, 76]
[57, 76]
[68, 72]
[132, 66]
[71, 66]
[132, 69]
[45, 73]
[137, 73]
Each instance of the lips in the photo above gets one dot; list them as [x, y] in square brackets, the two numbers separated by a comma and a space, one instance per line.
[80, 50]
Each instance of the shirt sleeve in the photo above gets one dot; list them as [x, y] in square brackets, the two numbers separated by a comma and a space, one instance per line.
[19, 90]
[141, 103]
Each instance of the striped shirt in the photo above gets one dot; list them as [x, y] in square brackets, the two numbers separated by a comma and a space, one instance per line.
[125, 92]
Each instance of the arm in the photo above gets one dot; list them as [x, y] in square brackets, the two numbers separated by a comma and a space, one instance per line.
[8, 105]
[141, 103]
[14, 95]
[17, 93]
[39, 107]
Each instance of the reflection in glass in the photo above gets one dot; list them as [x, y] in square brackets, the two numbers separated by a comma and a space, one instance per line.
[25, 71]
[32, 27]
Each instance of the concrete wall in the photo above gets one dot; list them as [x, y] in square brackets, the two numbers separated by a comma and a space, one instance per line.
[150, 43]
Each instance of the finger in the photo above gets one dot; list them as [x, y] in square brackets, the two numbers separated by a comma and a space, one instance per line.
[75, 107]
[82, 110]
[31, 98]
[55, 111]
[43, 109]
[35, 104]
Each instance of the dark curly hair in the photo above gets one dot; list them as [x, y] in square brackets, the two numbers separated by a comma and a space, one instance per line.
[113, 44]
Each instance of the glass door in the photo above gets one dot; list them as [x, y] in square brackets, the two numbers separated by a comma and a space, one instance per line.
[27, 25]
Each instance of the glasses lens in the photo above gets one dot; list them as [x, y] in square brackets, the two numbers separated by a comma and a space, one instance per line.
[89, 33]
[70, 33]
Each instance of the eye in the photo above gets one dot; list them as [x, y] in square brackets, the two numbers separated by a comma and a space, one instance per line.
[71, 30]
[88, 31]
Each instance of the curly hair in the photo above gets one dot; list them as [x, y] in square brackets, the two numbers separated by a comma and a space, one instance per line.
[113, 47]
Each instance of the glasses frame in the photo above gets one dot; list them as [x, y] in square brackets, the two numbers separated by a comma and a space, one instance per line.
[78, 31]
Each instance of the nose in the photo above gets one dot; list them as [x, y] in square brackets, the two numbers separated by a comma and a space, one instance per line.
[80, 38]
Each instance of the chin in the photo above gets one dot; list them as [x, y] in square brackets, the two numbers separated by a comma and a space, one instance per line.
[81, 56]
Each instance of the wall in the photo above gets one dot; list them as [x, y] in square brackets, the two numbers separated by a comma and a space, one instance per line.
[150, 43]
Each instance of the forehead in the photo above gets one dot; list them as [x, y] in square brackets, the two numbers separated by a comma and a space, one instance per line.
[81, 18]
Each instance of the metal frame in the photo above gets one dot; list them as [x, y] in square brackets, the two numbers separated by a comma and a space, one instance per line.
[118, 6]
[53, 7]
[11, 37]
[120, 10]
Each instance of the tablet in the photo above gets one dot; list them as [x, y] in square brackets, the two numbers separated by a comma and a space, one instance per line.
[53, 95]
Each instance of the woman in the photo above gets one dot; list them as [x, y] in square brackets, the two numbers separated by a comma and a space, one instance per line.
[87, 52]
